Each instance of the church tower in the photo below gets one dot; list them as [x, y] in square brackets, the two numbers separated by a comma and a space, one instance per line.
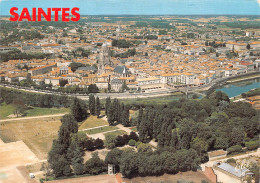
[104, 59]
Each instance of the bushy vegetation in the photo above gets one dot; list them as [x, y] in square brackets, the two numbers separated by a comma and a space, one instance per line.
[16, 54]
[121, 43]
[189, 128]
[251, 93]
[34, 99]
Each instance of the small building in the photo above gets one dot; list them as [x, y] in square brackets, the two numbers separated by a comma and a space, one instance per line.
[234, 172]
[217, 154]
[111, 169]
[210, 174]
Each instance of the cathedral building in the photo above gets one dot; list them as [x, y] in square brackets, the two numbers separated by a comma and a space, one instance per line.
[104, 59]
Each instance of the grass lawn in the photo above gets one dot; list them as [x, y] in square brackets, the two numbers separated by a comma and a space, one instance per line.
[153, 100]
[37, 134]
[101, 129]
[37, 111]
[6, 110]
[116, 133]
[91, 122]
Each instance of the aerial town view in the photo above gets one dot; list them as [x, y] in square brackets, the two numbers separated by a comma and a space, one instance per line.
[130, 93]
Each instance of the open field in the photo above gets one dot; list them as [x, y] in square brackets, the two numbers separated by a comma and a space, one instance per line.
[116, 133]
[37, 111]
[15, 153]
[7, 110]
[37, 134]
[153, 100]
[11, 155]
[92, 122]
[189, 176]
[101, 130]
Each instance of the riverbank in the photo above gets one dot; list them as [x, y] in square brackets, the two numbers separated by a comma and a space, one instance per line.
[244, 78]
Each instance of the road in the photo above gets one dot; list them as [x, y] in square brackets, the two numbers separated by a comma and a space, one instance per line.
[33, 117]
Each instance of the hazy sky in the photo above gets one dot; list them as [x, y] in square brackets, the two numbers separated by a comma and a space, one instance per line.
[142, 7]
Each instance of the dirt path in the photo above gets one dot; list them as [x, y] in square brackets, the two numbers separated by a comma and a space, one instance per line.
[128, 130]
[33, 117]
[93, 128]
[121, 127]
[90, 179]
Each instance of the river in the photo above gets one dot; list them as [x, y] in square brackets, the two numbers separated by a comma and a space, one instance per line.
[237, 88]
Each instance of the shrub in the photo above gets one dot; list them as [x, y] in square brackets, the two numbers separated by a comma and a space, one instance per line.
[111, 145]
[236, 148]
[131, 142]
[231, 160]
[243, 95]
[251, 145]
[137, 143]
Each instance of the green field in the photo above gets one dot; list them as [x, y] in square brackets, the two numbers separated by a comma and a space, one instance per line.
[7, 109]
[101, 129]
[37, 111]
[91, 122]
[152, 100]
[116, 133]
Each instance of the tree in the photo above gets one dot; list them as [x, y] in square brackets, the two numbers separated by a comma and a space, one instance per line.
[61, 166]
[98, 143]
[63, 82]
[236, 148]
[78, 109]
[251, 145]
[124, 113]
[89, 145]
[108, 87]
[131, 142]
[98, 107]
[19, 107]
[107, 105]
[95, 165]
[77, 159]
[75, 65]
[140, 116]
[70, 123]
[144, 148]
[133, 136]
[129, 164]
[93, 88]
[92, 104]
[199, 145]
[124, 87]
[255, 169]
[113, 157]
[57, 160]
[110, 141]
[248, 46]
[80, 137]
[237, 136]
